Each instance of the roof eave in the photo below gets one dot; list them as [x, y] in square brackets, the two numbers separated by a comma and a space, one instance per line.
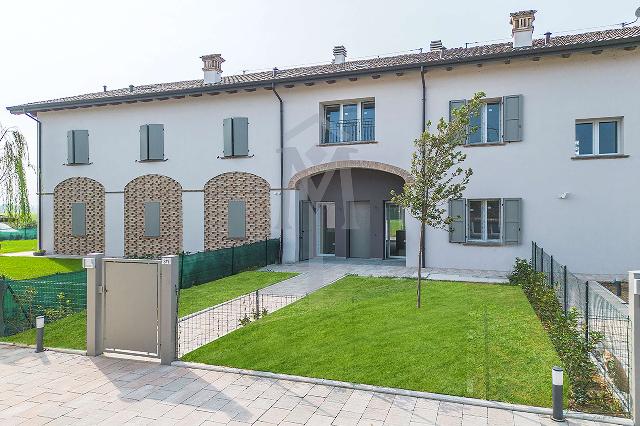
[525, 52]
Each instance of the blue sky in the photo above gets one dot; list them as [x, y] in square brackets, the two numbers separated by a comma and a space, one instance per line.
[53, 49]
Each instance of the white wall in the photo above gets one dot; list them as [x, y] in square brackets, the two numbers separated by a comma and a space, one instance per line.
[592, 230]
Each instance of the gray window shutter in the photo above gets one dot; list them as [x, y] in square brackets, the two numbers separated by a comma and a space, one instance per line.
[456, 104]
[81, 147]
[78, 219]
[240, 136]
[512, 218]
[156, 141]
[152, 219]
[458, 228]
[70, 150]
[237, 219]
[512, 110]
[227, 134]
[144, 142]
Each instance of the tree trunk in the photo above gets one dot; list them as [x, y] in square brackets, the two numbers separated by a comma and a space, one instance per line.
[420, 249]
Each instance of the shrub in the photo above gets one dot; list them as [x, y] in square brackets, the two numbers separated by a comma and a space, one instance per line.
[588, 390]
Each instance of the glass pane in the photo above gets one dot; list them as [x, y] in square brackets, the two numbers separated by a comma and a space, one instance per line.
[349, 123]
[493, 219]
[475, 123]
[493, 122]
[608, 136]
[584, 138]
[395, 229]
[368, 121]
[475, 220]
[332, 120]
[327, 228]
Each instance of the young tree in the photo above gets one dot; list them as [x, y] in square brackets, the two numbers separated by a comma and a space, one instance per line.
[14, 161]
[437, 173]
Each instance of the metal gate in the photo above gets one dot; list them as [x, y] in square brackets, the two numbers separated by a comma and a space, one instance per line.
[131, 299]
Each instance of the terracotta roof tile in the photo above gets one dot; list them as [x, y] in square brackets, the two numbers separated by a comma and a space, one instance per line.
[460, 54]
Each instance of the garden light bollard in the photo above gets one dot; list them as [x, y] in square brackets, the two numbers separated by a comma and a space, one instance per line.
[556, 394]
[39, 334]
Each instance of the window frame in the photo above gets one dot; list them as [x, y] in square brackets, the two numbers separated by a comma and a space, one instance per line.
[360, 102]
[484, 221]
[483, 123]
[595, 136]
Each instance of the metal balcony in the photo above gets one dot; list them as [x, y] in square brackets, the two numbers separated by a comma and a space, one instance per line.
[346, 131]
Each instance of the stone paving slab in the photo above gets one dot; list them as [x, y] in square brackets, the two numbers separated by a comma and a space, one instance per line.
[56, 388]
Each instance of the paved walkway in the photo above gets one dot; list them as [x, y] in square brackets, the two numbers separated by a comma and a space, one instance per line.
[58, 388]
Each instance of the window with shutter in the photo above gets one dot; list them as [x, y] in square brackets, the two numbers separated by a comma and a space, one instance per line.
[78, 147]
[454, 105]
[78, 219]
[236, 136]
[152, 219]
[152, 142]
[237, 219]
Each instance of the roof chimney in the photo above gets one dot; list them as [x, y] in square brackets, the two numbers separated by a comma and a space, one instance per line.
[522, 28]
[436, 46]
[339, 55]
[212, 67]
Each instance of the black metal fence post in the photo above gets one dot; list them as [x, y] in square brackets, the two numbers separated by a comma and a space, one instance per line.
[564, 279]
[266, 251]
[551, 272]
[586, 313]
[542, 260]
[257, 305]
[533, 254]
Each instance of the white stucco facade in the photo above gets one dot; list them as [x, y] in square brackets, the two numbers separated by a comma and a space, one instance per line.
[593, 229]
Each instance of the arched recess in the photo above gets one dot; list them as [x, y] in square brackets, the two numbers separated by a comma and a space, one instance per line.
[91, 194]
[348, 164]
[236, 186]
[152, 188]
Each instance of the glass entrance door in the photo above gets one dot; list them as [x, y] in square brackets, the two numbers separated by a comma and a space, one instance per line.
[326, 229]
[394, 231]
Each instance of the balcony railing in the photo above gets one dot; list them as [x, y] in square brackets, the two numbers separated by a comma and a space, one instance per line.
[348, 131]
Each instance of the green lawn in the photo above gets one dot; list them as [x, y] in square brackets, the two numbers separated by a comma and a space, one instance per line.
[19, 268]
[15, 246]
[196, 298]
[475, 340]
[71, 332]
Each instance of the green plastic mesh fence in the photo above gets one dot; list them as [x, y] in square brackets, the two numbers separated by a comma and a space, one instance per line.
[200, 268]
[54, 296]
[20, 234]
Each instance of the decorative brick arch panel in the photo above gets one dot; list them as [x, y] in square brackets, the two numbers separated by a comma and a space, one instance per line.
[348, 164]
[251, 189]
[152, 188]
[78, 190]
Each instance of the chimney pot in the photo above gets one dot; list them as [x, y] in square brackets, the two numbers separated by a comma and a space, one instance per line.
[104, 88]
[212, 67]
[547, 37]
[436, 45]
[131, 88]
[522, 28]
[339, 55]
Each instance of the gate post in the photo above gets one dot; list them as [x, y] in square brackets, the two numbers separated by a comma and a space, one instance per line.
[634, 317]
[92, 263]
[169, 287]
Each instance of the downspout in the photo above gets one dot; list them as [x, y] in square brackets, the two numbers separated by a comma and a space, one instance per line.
[424, 127]
[275, 92]
[38, 175]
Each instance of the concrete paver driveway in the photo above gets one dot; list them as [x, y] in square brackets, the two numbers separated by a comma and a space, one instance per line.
[60, 388]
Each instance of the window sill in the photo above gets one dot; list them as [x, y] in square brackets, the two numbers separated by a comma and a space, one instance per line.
[474, 145]
[151, 161]
[484, 243]
[347, 143]
[76, 164]
[231, 157]
[599, 157]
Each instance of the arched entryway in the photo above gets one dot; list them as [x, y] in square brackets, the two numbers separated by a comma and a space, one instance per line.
[345, 210]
